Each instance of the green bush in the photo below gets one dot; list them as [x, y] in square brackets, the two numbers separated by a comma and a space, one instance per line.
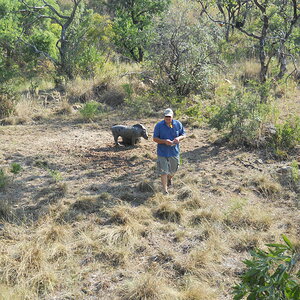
[138, 106]
[15, 168]
[7, 100]
[198, 112]
[90, 110]
[287, 135]
[272, 274]
[56, 175]
[242, 117]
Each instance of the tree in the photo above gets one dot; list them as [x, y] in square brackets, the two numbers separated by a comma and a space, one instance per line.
[184, 51]
[268, 23]
[233, 12]
[133, 23]
[52, 11]
[9, 32]
[74, 39]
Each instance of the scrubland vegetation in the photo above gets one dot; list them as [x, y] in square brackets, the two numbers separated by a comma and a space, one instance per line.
[82, 219]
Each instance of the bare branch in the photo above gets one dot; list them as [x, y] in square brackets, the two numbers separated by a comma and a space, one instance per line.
[36, 50]
[227, 23]
[261, 7]
[31, 7]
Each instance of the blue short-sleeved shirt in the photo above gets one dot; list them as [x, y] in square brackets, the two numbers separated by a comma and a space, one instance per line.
[163, 131]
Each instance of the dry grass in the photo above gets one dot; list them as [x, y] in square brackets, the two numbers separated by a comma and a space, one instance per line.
[246, 240]
[249, 70]
[148, 286]
[169, 212]
[78, 86]
[241, 214]
[31, 108]
[195, 289]
[201, 216]
[90, 241]
[65, 108]
[266, 186]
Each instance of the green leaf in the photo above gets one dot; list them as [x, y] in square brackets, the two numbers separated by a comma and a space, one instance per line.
[288, 242]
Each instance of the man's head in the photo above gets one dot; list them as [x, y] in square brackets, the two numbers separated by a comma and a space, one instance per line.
[168, 114]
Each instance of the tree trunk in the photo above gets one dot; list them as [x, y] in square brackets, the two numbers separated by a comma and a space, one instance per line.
[283, 63]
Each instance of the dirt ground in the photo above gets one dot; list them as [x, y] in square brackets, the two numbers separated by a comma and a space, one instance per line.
[86, 159]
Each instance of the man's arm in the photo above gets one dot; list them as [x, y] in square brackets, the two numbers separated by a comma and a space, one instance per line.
[179, 138]
[161, 141]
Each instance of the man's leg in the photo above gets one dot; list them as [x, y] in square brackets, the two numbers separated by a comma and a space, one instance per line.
[164, 182]
[163, 168]
[173, 167]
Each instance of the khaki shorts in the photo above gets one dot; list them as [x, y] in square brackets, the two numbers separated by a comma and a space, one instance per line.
[167, 165]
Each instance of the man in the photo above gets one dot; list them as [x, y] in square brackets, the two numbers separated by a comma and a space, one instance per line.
[167, 134]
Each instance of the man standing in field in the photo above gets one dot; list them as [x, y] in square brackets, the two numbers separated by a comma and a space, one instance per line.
[167, 134]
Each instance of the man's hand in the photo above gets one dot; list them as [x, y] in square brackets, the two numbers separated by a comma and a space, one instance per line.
[169, 142]
[176, 140]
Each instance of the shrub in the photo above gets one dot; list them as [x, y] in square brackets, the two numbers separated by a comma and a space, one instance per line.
[7, 100]
[184, 53]
[271, 274]
[295, 172]
[90, 110]
[243, 116]
[138, 106]
[15, 168]
[287, 135]
[6, 107]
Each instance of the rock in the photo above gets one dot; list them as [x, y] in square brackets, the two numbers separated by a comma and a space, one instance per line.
[285, 170]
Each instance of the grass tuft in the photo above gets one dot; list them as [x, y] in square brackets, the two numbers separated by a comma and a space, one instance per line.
[242, 215]
[169, 212]
[147, 286]
[267, 187]
[198, 290]
[185, 193]
[145, 186]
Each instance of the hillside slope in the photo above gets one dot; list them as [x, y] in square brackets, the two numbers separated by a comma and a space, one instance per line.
[86, 220]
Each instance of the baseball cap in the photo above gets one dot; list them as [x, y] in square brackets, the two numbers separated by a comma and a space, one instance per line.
[168, 112]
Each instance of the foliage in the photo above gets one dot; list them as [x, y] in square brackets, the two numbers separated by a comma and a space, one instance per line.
[15, 168]
[271, 28]
[56, 175]
[199, 112]
[133, 25]
[8, 98]
[138, 106]
[128, 89]
[243, 116]
[271, 274]
[287, 135]
[71, 37]
[90, 110]
[184, 52]
[9, 32]
[90, 44]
